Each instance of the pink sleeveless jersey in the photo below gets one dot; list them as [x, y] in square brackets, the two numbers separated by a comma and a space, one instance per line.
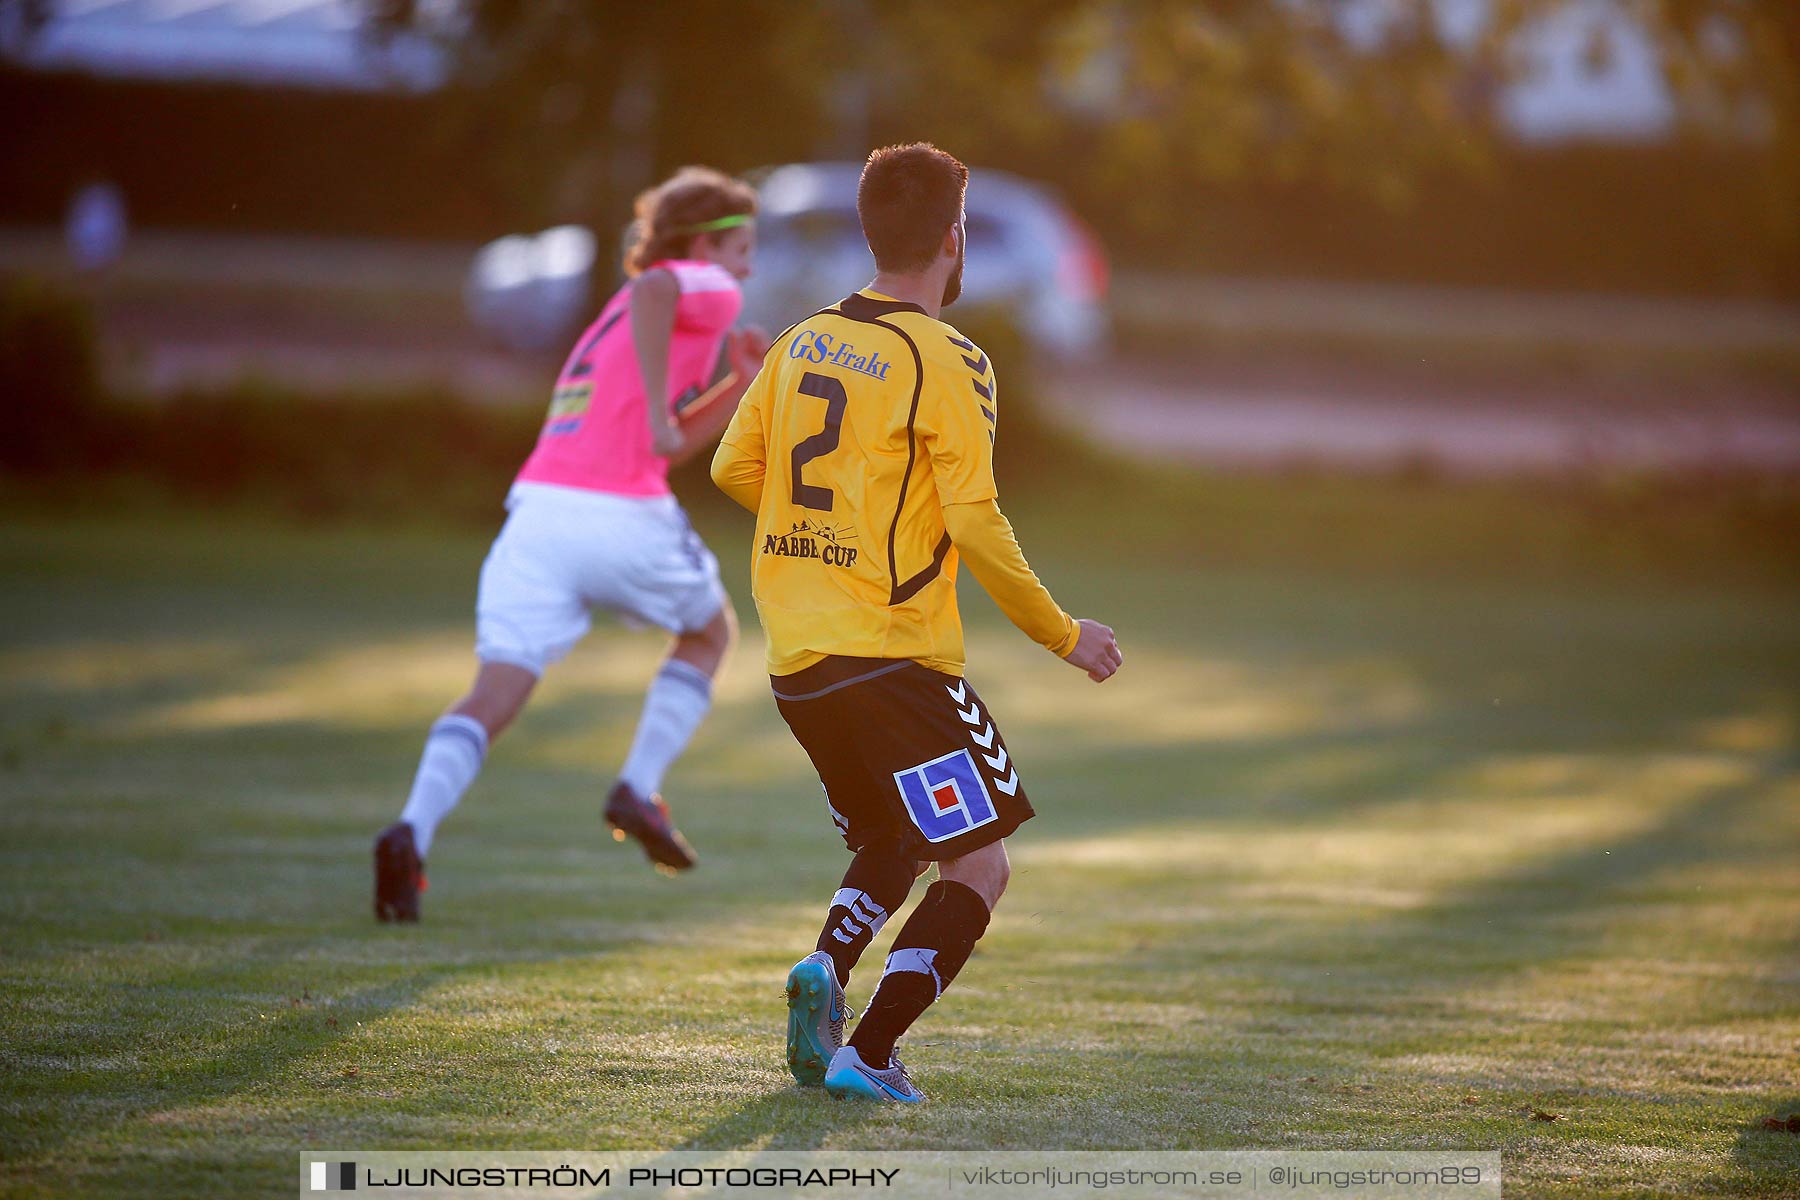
[597, 437]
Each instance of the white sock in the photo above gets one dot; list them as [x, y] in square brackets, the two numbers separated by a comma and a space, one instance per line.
[677, 702]
[453, 753]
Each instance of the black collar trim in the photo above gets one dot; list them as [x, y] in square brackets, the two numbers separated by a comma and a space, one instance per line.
[859, 307]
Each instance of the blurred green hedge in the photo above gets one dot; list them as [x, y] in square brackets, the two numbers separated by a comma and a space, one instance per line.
[50, 392]
[330, 454]
[347, 452]
[424, 455]
[316, 454]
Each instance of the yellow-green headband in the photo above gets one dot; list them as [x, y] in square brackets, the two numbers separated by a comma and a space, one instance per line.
[731, 222]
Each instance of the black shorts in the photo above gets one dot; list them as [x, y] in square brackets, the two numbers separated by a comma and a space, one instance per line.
[907, 755]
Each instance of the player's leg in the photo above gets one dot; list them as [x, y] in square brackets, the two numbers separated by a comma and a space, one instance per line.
[458, 742]
[679, 697]
[874, 887]
[931, 948]
[455, 749]
[879, 878]
[527, 616]
[940, 767]
[657, 570]
[677, 701]
[822, 706]
[497, 696]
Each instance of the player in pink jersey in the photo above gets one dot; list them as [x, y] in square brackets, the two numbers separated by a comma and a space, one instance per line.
[592, 524]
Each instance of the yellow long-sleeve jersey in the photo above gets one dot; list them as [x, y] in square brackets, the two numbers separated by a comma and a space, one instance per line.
[865, 448]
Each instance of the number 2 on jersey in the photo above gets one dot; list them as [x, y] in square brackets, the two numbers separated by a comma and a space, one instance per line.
[830, 390]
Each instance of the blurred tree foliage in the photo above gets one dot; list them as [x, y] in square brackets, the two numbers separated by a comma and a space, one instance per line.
[1348, 138]
[586, 103]
[1137, 107]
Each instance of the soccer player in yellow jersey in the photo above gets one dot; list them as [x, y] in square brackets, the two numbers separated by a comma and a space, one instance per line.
[865, 447]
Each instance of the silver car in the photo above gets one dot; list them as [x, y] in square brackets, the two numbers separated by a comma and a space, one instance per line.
[531, 293]
[1030, 261]
[1029, 257]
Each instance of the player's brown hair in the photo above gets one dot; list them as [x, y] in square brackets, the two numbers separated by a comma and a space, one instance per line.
[664, 216]
[907, 197]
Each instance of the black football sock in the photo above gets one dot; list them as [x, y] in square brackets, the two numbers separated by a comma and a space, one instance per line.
[931, 948]
[874, 886]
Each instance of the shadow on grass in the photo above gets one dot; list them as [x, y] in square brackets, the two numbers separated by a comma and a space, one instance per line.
[1767, 1153]
[51, 1110]
[794, 1118]
[1551, 894]
[1248, 781]
[1520, 918]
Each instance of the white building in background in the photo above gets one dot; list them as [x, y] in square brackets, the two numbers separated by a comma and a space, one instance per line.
[306, 43]
[1581, 69]
[1590, 70]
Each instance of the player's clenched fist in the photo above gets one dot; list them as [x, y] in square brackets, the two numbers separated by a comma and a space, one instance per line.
[745, 349]
[1096, 650]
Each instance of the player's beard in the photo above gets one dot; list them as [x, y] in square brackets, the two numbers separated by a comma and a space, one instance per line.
[953, 285]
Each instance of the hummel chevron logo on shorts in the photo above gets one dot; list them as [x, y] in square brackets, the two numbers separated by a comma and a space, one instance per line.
[981, 732]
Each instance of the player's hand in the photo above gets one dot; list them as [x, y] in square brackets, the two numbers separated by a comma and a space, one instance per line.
[666, 440]
[746, 349]
[1096, 651]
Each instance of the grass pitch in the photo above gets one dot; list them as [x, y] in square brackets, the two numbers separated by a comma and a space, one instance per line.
[1342, 859]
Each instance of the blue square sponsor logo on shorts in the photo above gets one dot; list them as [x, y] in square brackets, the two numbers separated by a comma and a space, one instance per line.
[945, 796]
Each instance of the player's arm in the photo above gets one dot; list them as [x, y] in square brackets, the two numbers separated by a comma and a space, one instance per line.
[959, 436]
[654, 295]
[706, 418]
[741, 461]
[985, 539]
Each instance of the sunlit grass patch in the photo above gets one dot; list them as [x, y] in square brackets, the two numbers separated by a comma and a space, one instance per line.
[1334, 863]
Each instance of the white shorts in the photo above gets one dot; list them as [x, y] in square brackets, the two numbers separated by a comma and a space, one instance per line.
[564, 552]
